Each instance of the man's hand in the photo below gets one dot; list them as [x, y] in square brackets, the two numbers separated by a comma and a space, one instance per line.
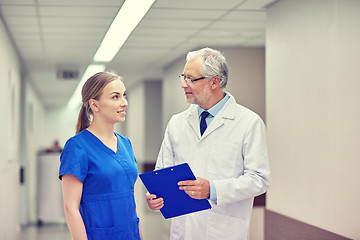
[153, 202]
[198, 189]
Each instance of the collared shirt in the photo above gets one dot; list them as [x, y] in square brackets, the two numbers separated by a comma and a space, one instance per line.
[213, 111]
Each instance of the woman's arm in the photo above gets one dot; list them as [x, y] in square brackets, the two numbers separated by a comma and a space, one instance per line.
[141, 236]
[72, 191]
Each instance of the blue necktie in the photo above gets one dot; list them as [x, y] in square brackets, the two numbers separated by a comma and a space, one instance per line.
[203, 125]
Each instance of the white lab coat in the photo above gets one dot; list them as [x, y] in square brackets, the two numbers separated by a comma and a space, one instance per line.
[233, 154]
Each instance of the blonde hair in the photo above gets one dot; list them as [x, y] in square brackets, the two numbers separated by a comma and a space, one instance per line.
[92, 89]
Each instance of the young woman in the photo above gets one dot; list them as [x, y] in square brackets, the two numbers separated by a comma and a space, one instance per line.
[98, 168]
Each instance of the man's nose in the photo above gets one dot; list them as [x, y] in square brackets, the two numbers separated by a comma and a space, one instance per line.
[184, 84]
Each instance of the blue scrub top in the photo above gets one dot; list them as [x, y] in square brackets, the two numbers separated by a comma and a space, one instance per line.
[107, 204]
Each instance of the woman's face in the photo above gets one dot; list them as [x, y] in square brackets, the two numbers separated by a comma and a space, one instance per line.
[112, 102]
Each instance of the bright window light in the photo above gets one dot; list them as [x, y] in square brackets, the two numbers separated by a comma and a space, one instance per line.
[75, 99]
[124, 23]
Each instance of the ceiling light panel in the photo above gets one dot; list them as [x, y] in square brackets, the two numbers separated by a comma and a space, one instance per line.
[238, 25]
[21, 20]
[175, 23]
[191, 4]
[19, 38]
[20, 29]
[18, 10]
[93, 12]
[117, 3]
[18, 2]
[182, 14]
[256, 4]
[150, 31]
[76, 21]
[246, 16]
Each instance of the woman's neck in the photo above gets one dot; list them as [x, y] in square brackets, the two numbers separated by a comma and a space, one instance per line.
[103, 131]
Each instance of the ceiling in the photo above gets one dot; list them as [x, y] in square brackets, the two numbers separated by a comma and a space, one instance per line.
[54, 35]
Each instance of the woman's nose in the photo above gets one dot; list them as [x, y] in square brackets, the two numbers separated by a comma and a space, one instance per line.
[124, 102]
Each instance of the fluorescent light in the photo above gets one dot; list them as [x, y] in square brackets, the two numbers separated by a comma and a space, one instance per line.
[128, 17]
[75, 99]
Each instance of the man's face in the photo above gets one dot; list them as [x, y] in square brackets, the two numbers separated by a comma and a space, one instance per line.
[196, 92]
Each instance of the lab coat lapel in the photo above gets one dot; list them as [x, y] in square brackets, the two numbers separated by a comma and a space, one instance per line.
[193, 119]
[227, 112]
[217, 122]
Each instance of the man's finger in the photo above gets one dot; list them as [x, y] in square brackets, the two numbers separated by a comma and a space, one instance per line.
[187, 183]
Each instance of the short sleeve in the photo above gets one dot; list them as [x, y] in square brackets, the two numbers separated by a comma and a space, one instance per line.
[73, 160]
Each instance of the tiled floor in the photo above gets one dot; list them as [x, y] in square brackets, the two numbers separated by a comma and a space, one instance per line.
[46, 232]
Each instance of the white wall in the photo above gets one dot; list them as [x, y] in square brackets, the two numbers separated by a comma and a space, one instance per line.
[313, 112]
[247, 77]
[143, 121]
[22, 128]
[135, 120]
[172, 93]
[60, 124]
[153, 115]
[10, 80]
[41, 129]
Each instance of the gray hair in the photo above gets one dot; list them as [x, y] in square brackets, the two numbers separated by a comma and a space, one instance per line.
[213, 64]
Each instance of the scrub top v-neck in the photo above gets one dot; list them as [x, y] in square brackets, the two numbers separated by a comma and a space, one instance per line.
[107, 204]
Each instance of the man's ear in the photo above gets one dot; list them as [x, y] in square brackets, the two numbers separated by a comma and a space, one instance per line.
[93, 105]
[215, 82]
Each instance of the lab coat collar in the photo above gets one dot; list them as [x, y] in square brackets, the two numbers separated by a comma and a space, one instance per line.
[227, 112]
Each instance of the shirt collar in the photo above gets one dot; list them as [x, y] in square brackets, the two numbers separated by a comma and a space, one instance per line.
[217, 107]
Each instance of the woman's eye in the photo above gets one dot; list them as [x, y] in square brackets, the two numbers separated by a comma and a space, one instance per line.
[115, 97]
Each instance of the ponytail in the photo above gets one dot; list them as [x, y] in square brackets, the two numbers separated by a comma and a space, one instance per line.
[83, 119]
[92, 89]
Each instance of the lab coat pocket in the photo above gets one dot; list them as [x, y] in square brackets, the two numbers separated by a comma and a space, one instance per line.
[226, 227]
[223, 159]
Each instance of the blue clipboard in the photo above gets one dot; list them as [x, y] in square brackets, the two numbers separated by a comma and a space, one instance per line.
[164, 183]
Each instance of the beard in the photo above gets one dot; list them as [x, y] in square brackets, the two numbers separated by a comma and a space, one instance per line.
[201, 99]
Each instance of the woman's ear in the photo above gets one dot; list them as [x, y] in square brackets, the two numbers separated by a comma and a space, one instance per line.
[93, 105]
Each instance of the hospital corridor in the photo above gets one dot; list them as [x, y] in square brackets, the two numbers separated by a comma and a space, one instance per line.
[293, 65]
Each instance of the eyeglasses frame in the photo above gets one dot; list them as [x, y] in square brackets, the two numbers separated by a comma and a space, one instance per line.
[181, 76]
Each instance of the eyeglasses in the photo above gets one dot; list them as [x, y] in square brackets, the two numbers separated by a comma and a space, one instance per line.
[189, 80]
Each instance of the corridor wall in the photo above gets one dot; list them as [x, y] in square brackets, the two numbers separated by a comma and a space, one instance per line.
[312, 98]
[22, 136]
[10, 81]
